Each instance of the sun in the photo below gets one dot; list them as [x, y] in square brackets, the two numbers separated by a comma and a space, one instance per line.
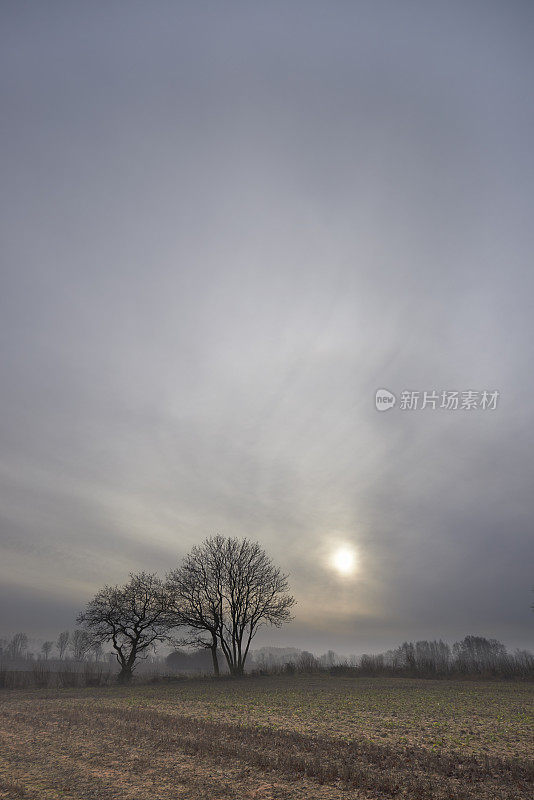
[344, 560]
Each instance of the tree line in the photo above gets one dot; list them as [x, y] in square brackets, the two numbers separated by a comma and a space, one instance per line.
[473, 655]
[78, 644]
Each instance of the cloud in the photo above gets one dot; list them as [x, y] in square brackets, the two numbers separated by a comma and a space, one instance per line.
[223, 232]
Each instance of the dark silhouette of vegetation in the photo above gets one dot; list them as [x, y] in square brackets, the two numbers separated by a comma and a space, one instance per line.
[17, 646]
[197, 599]
[80, 644]
[62, 642]
[133, 618]
[46, 648]
[224, 591]
[473, 656]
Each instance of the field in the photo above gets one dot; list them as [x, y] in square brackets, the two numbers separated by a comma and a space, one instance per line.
[271, 738]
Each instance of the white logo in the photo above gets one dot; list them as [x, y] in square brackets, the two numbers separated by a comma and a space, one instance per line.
[384, 399]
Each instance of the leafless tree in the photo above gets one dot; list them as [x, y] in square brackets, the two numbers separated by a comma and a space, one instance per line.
[196, 591]
[477, 654]
[80, 644]
[225, 591]
[307, 662]
[97, 651]
[17, 645]
[46, 648]
[255, 593]
[62, 642]
[133, 617]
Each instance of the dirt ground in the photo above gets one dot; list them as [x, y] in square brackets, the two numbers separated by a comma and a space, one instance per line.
[273, 738]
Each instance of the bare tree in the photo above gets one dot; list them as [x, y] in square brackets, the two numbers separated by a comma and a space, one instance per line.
[133, 617]
[97, 651]
[225, 591]
[255, 593]
[17, 645]
[196, 590]
[307, 662]
[80, 644]
[476, 653]
[62, 642]
[46, 648]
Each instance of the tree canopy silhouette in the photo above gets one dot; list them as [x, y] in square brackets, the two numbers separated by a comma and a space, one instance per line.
[224, 591]
[133, 617]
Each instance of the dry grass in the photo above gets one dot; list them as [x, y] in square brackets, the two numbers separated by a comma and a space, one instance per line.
[279, 738]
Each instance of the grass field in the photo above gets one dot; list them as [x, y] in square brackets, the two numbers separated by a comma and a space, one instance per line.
[272, 738]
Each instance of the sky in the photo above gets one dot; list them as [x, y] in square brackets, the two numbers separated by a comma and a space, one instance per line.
[225, 226]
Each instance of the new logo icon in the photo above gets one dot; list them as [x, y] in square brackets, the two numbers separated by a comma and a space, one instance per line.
[384, 399]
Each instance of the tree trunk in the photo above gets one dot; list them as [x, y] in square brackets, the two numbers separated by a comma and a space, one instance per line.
[125, 675]
[215, 659]
[227, 654]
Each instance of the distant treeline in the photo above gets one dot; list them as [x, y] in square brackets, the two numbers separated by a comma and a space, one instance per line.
[75, 645]
[74, 664]
[474, 655]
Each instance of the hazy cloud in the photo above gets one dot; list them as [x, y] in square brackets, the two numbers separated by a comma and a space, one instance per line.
[222, 230]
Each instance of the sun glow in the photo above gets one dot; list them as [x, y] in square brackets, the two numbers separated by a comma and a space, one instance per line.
[344, 560]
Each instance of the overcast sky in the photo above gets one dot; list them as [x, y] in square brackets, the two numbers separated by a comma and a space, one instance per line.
[224, 225]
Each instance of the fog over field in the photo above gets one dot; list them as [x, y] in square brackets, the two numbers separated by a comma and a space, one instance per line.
[224, 226]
